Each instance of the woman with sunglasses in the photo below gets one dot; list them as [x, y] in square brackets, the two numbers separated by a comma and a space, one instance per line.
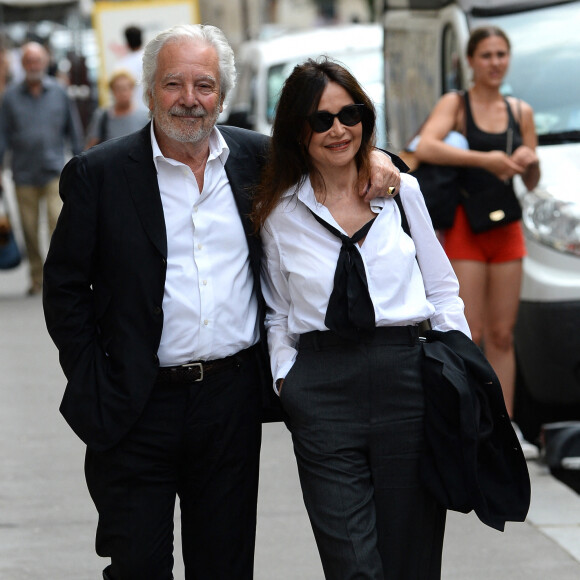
[346, 289]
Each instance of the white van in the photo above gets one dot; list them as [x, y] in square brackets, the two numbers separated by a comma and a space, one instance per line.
[425, 44]
[264, 65]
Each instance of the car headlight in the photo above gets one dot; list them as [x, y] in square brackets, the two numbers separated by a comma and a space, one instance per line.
[551, 221]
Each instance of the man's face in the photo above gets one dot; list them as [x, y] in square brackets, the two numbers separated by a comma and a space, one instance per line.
[186, 99]
[34, 62]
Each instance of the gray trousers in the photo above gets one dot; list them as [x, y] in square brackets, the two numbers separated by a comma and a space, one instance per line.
[355, 411]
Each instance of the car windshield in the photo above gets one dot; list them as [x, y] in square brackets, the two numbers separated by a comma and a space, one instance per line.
[545, 67]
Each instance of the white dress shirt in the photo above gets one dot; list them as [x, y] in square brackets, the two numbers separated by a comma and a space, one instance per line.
[300, 258]
[209, 306]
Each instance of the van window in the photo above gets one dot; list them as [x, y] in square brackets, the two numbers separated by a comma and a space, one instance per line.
[245, 87]
[452, 79]
[367, 67]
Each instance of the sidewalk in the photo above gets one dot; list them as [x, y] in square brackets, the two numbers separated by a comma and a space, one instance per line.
[47, 519]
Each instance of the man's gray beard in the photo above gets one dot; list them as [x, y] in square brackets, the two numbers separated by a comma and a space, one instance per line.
[186, 134]
[34, 77]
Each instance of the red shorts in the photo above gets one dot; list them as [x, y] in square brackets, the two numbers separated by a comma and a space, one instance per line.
[502, 244]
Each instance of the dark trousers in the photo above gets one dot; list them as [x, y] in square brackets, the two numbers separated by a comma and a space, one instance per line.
[200, 442]
[356, 416]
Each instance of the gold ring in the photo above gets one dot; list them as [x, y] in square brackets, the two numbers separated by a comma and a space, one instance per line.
[390, 191]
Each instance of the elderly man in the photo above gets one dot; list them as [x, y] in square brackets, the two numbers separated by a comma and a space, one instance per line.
[152, 297]
[36, 120]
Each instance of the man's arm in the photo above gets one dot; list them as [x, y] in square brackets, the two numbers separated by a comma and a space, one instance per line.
[67, 289]
[385, 173]
[4, 129]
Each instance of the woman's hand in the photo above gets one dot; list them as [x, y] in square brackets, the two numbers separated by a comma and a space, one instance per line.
[501, 165]
[527, 158]
[384, 175]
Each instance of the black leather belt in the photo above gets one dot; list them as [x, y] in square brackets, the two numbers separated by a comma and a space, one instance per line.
[197, 371]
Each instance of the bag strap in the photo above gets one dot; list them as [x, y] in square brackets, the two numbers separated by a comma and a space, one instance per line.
[461, 126]
[404, 221]
[426, 324]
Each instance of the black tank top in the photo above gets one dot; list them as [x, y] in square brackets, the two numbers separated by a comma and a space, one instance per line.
[473, 178]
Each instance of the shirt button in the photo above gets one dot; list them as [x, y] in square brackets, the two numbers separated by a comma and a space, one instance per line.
[206, 322]
[205, 282]
[199, 246]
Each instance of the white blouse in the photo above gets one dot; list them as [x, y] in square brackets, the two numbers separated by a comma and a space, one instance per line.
[300, 257]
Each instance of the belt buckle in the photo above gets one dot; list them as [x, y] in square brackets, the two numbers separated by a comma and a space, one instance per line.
[199, 366]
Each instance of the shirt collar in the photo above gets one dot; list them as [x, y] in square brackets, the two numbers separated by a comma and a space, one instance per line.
[307, 197]
[218, 148]
[45, 82]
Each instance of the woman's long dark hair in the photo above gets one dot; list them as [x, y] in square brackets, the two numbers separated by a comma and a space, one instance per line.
[289, 163]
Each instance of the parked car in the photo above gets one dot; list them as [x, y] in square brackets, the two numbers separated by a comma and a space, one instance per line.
[264, 65]
[425, 44]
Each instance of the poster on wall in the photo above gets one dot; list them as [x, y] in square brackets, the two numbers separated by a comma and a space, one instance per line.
[110, 19]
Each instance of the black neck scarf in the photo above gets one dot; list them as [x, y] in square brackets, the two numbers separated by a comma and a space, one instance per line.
[350, 311]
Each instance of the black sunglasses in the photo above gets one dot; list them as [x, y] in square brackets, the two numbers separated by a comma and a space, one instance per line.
[349, 116]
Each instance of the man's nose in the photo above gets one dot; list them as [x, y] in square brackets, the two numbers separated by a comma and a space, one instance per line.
[189, 96]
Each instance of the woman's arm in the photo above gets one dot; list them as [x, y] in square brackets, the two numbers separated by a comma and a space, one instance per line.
[447, 116]
[525, 155]
[281, 344]
[441, 285]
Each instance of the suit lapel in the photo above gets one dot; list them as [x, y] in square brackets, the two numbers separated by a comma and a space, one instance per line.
[241, 169]
[142, 180]
[241, 174]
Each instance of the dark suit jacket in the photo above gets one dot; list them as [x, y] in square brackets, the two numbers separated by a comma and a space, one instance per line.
[473, 460]
[105, 275]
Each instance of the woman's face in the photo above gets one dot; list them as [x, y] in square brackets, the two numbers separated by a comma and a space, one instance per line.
[122, 90]
[490, 61]
[337, 146]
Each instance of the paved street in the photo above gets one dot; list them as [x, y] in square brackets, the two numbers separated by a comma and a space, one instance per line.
[47, 519]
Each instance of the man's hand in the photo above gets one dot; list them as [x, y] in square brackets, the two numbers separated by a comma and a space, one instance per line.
[384, 175]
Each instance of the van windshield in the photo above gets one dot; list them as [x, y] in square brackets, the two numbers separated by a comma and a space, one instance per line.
[545, 67]
[367, 67]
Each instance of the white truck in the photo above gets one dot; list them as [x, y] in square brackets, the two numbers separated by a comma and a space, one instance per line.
[425, 44]
[263, 66]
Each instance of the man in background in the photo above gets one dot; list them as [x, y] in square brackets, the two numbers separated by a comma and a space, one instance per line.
[37, 119]
[133, 62]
